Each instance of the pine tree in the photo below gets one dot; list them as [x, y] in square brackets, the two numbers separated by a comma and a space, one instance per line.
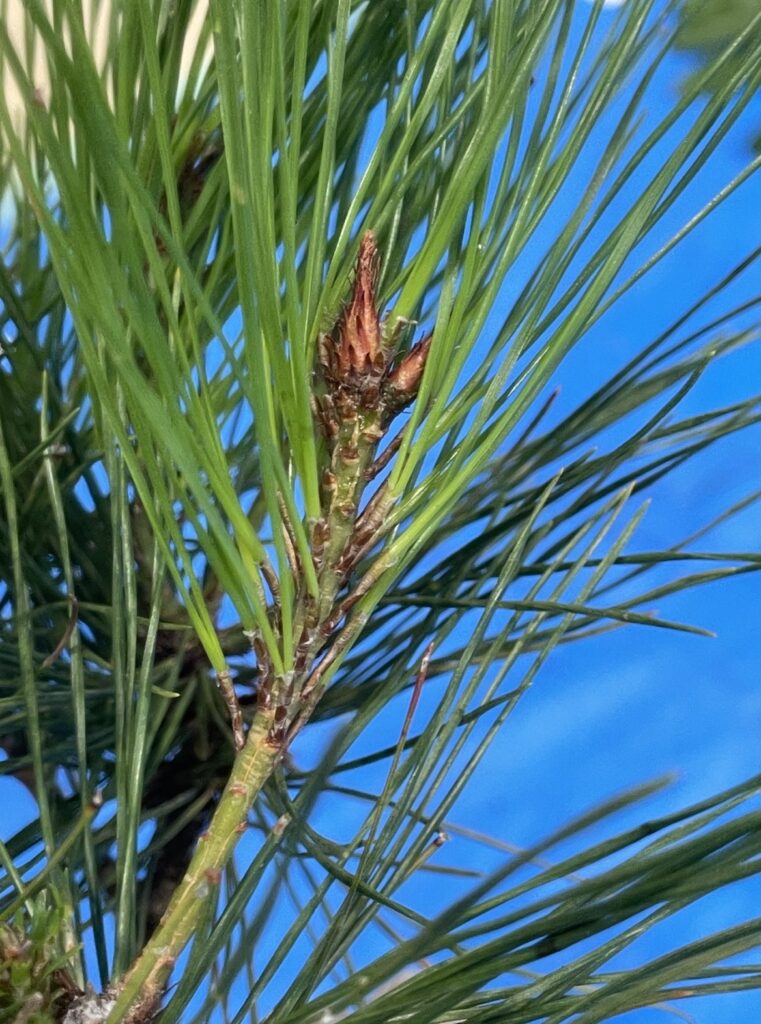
[285, 289]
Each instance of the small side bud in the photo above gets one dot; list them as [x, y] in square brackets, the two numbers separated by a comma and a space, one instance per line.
[403, 383]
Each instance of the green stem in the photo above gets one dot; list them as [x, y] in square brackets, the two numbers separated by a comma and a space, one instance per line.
[143, 985]
[353, 454]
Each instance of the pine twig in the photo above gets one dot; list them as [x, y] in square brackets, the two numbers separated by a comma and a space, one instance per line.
[142, 987]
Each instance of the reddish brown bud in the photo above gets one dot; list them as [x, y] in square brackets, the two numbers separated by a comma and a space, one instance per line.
[354, 351]
[403, 383]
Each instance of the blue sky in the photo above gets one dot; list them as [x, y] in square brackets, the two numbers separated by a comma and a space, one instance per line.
[639, 703]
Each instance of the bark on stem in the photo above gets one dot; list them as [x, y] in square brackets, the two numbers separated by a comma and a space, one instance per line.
[143, 986]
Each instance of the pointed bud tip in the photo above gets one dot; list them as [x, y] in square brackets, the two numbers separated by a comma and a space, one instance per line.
[356, 343]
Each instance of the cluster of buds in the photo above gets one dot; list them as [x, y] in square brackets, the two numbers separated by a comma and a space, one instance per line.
[357, 358]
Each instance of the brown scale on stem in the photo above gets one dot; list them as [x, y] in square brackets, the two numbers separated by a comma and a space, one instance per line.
[227, 689]
[265, 675]
[289, 540]
[319, 538]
